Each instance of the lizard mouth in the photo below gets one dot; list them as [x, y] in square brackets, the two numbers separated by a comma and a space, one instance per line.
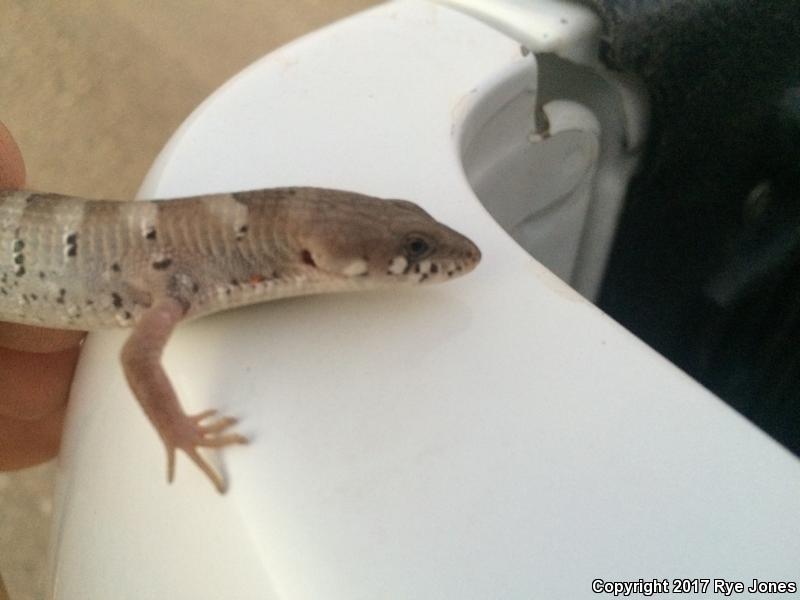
[436, 270]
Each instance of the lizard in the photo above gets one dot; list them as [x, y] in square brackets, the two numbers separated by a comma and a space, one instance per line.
[89, 264]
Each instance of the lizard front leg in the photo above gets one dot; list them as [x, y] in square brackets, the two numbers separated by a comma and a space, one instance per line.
[141, 361]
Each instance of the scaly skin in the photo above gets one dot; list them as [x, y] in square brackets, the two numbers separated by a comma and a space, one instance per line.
[72, 263]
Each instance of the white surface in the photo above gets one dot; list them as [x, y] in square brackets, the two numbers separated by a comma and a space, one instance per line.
[537, 186]
[566, 212]
[566, 28]
[496, 437]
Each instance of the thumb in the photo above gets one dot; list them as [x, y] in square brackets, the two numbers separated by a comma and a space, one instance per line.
[12, 169]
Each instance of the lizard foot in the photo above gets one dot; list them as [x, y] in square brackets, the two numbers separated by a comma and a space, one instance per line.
[190, 433]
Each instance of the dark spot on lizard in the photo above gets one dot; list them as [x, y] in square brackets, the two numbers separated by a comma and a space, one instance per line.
[20, 271]
[150, 233]
[434, 268]
[19, 259]
[71, 243]
[3, 291]
[160, 265]
[242, 231]
[116, 299]
[116, 268]
[416, 268]
[18, 245]
[127, 316]
[234, 282]
[89, 302]
[423, 278]
[42, 275]
[34, 297]
[305, 255]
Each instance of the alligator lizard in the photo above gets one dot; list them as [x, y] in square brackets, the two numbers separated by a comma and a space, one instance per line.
[73, 263]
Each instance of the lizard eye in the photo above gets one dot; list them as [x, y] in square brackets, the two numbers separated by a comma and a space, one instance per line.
[416, 246]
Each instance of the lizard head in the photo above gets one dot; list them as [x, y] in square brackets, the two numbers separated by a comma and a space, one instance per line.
[384, 242]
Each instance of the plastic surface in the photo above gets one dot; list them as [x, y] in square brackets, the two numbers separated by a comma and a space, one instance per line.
[566, 29]
[537, 182]
[495, 437]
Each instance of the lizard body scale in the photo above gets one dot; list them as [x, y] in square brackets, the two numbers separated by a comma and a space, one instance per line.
[74, 263]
